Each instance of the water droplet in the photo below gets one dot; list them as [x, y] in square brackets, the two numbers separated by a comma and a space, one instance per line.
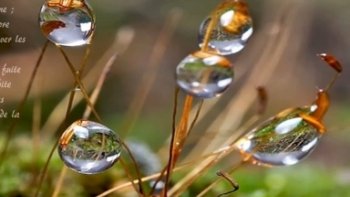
[204, 75]
[232, 29]
[67, 22]
[89, 147]
[283, 140]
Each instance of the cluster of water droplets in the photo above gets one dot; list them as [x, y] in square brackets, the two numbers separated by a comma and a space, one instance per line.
[206, 73]
[89, 147]
[67, 22]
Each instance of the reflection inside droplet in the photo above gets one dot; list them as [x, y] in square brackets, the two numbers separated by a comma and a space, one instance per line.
[204, 75]
[69, 26]
[89, 147]
[231, 31]
[283, 140]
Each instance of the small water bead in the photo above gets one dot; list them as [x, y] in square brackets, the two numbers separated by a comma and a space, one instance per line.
[204, 74]
[232, 29]
[67, 22]
[89, 147]
[283, 140]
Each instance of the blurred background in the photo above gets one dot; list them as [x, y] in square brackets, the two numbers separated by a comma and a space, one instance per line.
[151, 38]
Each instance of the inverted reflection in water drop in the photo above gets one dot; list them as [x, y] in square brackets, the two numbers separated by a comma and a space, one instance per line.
[204, 75]
[67, 26]
[232, 29]
[89, 147]
[283, 140]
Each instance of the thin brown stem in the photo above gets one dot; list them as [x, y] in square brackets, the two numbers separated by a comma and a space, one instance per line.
[37, 109]
[172, 140]
[180, 135]
[79, 73]
[233, 169]
[81, 85]
[212, 23]
[333, 63]
[69, 109]
[196, 116]
[99, 85]
[189, 131]
[173, 136]
[19, 109]
[46, 167]
[138, 173]
[128, 174]
[162, 173]
[60, 182]
[234, 184]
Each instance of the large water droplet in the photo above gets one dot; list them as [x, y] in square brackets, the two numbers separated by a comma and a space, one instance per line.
[204, 75]
[89, 147]
[67, 26]
[232, 29]
[283, 140]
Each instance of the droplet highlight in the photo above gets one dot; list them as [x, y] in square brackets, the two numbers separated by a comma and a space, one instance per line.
[281, 141]
[232, 28]
[204, 75]
[89, 147]
[67, 22]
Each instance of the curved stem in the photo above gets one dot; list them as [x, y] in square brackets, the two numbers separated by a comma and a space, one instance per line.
[209, 187]
[60, 182]
[212, 23]
[207, 36]
[81, 85]
[133, 160]
[233, 183]
[78, 73]
[69, 108]
[161, 174]
[189, 131]
[89, 103]
[128, 174]
[171, 141]
[99, 85]
[196, 116]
